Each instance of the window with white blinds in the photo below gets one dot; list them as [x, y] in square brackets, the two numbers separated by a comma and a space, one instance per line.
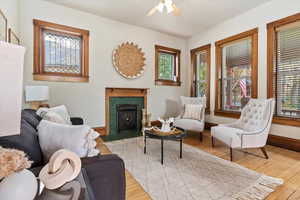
[236, 65]
[286, 71]
[236, 74]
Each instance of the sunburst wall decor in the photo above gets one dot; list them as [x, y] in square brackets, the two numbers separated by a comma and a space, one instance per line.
[129, 60]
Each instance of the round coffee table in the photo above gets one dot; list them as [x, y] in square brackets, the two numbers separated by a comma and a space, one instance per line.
[180, 134]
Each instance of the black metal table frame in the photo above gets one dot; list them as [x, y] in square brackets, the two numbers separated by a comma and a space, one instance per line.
[178, 137]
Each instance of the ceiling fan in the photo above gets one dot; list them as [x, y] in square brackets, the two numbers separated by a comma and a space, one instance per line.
[169, 5]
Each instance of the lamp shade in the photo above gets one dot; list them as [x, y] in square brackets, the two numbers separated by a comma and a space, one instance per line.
[11, 86]
[36, 93]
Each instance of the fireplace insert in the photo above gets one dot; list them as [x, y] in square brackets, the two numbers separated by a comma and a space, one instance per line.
[127, 116]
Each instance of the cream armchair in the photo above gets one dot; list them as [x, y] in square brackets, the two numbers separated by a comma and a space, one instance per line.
[191, 124]
[251, 130]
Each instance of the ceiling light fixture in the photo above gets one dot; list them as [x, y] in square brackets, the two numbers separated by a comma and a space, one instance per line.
[160, 7]
[169, 5]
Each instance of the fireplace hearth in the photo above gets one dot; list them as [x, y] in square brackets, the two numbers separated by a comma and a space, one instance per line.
[127, 117]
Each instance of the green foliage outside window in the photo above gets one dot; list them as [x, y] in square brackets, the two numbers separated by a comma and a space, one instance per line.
[201, 74]
[166, 66]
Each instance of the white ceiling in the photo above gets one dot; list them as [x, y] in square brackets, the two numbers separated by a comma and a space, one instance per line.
[196, 15]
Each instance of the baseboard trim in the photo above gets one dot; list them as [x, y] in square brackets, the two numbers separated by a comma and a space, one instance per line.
[284, 142]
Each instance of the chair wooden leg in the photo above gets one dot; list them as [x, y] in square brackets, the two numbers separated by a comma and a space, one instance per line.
[201, 136]
[212, 142]
[231, 157]
[264, 152]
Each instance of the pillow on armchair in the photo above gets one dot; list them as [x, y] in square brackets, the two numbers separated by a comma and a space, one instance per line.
[78, 139]
[192, 111]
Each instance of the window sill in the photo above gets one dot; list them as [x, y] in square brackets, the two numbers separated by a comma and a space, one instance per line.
[286, 121]
[167, 83]
[55, 78]
[276, 120]
[227, 114]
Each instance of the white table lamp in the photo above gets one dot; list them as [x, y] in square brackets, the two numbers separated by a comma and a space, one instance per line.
[36, 95]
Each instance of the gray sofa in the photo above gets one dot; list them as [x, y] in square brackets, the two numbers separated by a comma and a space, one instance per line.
[106, 172]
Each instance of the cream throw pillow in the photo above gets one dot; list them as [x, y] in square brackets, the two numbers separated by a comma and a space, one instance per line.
[61, 110]
[192, 111]
[78, 139]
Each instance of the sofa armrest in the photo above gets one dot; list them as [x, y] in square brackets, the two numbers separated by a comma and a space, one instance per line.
[106, 176]
[76, 121]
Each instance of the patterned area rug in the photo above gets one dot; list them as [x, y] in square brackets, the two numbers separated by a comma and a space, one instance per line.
[197, 176]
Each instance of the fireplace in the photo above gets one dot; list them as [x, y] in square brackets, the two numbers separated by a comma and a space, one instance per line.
[123, 112]
[127, 117]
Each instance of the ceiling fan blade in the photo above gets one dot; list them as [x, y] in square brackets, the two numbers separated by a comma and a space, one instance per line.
[152, 11]
[176, 10]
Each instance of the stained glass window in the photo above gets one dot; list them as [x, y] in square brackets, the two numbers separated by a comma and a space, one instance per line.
[62, 53]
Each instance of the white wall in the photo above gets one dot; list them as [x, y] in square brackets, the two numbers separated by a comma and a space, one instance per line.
[87, 99]
[10, 8]
[257, 17]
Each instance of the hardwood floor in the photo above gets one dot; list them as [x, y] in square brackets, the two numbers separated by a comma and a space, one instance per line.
[134, 190]
[282, 163]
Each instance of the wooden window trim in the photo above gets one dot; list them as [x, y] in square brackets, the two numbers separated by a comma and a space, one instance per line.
[176, 53]
[271, 49]
[253, 33]
[206, 48]
[38, 72]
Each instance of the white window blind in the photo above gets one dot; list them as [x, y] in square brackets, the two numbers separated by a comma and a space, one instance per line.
[236, 74]
[286, 83]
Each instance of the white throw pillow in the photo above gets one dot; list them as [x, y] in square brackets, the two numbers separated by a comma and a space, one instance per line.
[61, 110]
[78, 139]
[192, 111]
